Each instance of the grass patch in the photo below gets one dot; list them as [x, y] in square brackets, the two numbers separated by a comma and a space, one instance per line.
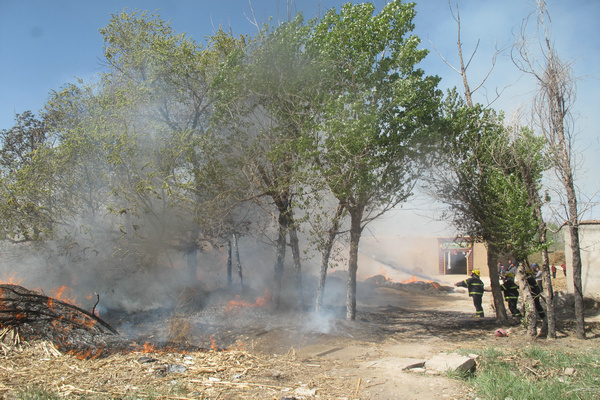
[36, 393]
[40, 393]
[537, 373]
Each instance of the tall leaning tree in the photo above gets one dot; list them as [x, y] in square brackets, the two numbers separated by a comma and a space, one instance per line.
[552, 109]
[374, 113]
[528, 155]
[485, 201]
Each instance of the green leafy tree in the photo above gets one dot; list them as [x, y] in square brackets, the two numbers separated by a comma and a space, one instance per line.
[26, 205]
[530, 158]
[484, 189]
[265, 105]
[373, 113]
[134, 153]
[160, 84]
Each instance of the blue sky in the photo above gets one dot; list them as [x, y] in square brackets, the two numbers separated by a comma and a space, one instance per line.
[47, 43]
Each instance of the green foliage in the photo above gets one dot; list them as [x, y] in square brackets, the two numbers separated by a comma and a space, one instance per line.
[26, 176]
[482, 180]
[535, 372]
[36, 393]
[375, 107]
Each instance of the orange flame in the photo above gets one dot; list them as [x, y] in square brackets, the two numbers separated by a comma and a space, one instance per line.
[148, 348]
[64, 293]
[382, 271]
[260, 302]
[10, 280]
[414, 279]
[213, 343]
[411, 280]
[87, 354]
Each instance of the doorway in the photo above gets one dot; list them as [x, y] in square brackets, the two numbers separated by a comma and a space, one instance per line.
[456, 256]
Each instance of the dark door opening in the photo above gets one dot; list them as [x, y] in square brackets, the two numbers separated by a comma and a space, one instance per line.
[457, 263]
[455, 256]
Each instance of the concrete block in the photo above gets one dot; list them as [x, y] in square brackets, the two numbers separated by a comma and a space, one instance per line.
[444, 362]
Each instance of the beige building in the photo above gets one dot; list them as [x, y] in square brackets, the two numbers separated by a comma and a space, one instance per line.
[422, 256]
[589, 242]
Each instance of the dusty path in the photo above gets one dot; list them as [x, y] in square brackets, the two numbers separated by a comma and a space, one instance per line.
[396, 328]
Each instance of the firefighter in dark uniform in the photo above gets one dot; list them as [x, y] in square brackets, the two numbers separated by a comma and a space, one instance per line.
[536, 292]
[511, 293]
[475, 288]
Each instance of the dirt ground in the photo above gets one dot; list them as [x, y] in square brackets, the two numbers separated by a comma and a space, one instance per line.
[250, 352]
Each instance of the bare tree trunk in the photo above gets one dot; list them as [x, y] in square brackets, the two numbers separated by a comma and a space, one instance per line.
[552, 105]
[280, 257]
[192, 263]
[236, 251]
[495, 284]
[463, 68]
[229, 263]
[355, 233]
[192, 254]
[577, 283]
[294, 244]
[549, 327]
[530, 313]
[325, 254]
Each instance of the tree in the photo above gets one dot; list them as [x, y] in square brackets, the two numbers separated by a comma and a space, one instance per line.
[373, 114]
[264, 103]
[552, 108]
[528, 155]
[161, 86]
[25, 180]
[483, 187]
[134, 153]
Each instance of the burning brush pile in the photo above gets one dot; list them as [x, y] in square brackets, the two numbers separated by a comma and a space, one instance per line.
[27, 315]
[412, 284]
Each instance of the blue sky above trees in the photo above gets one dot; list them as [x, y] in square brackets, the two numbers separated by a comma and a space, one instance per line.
[47, 43]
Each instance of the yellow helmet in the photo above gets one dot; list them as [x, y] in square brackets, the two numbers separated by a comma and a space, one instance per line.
[475, 272]
[509, 275]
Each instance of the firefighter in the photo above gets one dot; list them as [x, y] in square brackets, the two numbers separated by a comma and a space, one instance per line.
[536, 292]
[511, 293]
[475, 288]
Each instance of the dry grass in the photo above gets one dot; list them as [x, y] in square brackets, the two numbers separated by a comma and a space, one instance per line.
[139, 374]
[559, 284]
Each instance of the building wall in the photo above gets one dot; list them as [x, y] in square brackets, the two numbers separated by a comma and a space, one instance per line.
[397, 257]
[480, 258]
[404, 255]
[589, 239]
